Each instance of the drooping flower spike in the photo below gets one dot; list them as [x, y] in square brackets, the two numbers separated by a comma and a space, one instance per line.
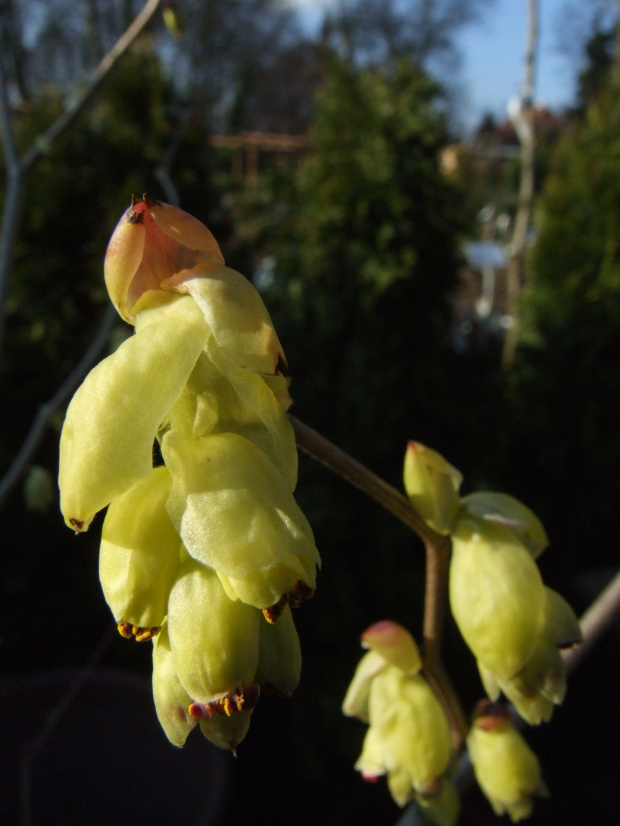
[408, 738]
[205, 554]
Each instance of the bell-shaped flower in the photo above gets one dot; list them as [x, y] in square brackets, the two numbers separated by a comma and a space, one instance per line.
[203, 623]
[506, 769]
[503, 509]
[157, 248]
[177, 713]
[497, 596]
[214, 657]
[409, 736]
[107, 438]
[236, 514]
[139, 555]
[541, 683]
[432, 485]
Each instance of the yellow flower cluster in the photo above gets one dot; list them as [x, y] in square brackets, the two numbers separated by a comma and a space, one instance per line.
[512, 623]
[206, 552]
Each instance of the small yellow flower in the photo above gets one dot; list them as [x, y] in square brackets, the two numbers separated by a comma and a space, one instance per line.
[409, 736]
[497, 595]
[506, 769]
[235, 513]
[215, 676]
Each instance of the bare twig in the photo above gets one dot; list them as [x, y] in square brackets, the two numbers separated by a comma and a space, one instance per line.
[43, 143]
[594, 622]
[13, 197]
[324, 451]
[18, 168]
[525, 129]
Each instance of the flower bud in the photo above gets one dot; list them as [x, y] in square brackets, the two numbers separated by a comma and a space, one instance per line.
[157, 249]
[432, 485]
[139, 554]
[505, 767]
[237, 515]
[496, 595]
[502, 509]
[107, 438]
[151, 243]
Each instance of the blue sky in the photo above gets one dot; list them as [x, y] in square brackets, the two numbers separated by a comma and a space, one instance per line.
[493, 52]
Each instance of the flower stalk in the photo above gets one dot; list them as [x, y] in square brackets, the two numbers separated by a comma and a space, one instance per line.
[438, 549]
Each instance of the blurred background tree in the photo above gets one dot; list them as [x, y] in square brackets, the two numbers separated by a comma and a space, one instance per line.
[564, 386]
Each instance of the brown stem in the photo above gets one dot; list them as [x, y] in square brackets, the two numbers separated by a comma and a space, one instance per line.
[326, 452]
[435, 606]
[438, 549]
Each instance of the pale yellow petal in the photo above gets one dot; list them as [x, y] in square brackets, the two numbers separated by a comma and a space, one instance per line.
[232, 507]
[171, 699]
[107, 438]
[238, 317]
[279, 663]
[214, 641]
[139, 553]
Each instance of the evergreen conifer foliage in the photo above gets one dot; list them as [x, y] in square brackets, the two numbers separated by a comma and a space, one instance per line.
[565, 384]
[376, 259]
